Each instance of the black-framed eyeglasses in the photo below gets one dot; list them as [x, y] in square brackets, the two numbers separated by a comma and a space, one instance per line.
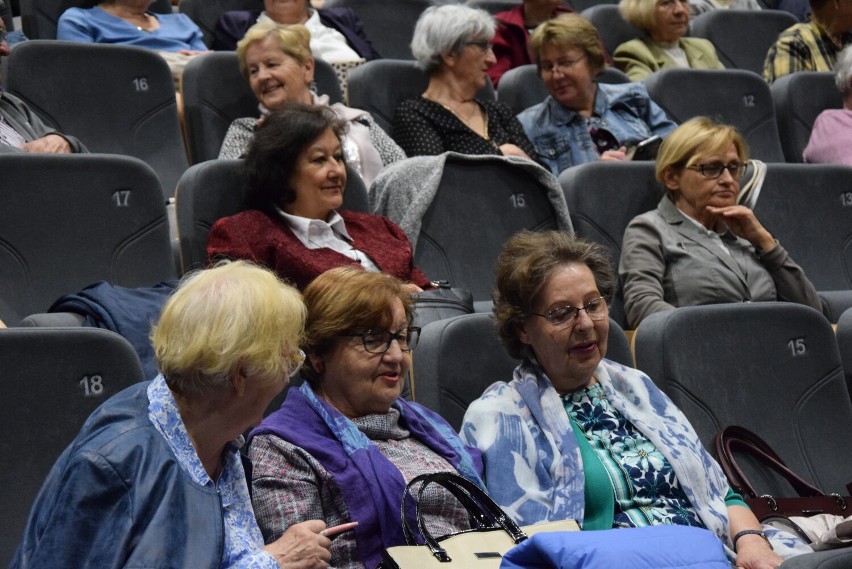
[484, 45]
[714, 169]
[379, 341]
[564, 316]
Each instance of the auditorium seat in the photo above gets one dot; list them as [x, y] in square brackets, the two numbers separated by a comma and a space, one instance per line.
[215, 93]
[613, 29]
[53, 379]
[799, 98]
[116, 99]
[733, 96]
[742, 37]
[69, 220]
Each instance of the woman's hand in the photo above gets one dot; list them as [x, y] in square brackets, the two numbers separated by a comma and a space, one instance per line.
[303, 546]
[753, 553]
[615, 155]
[411, 288]
[742, 221]
[513, 150]
[51, 144]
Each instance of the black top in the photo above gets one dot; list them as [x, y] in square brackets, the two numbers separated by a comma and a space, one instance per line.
[421, 126]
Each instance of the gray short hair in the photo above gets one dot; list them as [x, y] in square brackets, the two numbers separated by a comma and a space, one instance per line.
[443, 29]
[843, 74]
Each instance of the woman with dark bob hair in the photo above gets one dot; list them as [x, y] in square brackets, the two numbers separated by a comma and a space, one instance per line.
[577, 436]
[344, 445]
[296, 176]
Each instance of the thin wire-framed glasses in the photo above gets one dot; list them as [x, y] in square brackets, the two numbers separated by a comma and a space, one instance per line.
[484, 45]
[379, 341]
[297, 360]
[563, 65]
[565, 316]
[714, 169]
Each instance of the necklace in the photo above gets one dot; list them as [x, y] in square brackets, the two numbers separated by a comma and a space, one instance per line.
[134, 19]
[467, 122]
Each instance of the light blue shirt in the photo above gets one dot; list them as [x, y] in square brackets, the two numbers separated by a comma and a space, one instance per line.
[93, 25]
[561, 136]
[243, 540]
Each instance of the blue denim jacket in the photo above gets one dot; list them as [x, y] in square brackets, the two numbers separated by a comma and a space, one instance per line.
[561, 136]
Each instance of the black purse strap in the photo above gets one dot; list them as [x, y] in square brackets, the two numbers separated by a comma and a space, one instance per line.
[739, 438]
[486, 513]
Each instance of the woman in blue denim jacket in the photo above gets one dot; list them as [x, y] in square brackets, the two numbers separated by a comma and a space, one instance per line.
[582, 120]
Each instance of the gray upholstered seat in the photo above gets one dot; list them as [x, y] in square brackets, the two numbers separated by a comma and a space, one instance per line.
[613, 29]
[205, 13]
[67, 221]
[53, 379]
[388, 24]
[799, 98]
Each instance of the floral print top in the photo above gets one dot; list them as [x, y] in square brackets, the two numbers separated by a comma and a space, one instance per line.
[646, 488]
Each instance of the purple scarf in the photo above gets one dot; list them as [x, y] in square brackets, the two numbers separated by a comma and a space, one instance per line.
[372, 486]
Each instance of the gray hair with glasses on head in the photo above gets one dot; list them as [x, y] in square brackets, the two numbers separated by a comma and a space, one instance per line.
[444, 29]
[523, 267]
[843, 75]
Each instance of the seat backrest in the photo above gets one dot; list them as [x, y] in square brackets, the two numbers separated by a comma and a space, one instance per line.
[458, 358]
[205, 13]
[799, 98]
[742, 37]
[613, 29]
[521, 87]
[582, 5]
[6, 15]
[770, 367]
[39, 17]
[116, 99]
[388, 24]
[379, 86]
[603, 197]
[53, 379]
[215, 94]
[822, 195]
[211, 190]
[477, 207]
[733, 96]
[844, 342]
[69, 220]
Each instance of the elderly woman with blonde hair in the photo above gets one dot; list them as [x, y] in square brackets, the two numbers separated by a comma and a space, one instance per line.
[699, 246]
[155, 477]
[278, 65]
[345, 444]
[665, 23]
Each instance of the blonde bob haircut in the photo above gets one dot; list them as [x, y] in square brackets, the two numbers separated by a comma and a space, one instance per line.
[523, 267]
[233, 317]
[346, 299]
[641, 13]
[294, 41]
[695, 140]
[569, 31]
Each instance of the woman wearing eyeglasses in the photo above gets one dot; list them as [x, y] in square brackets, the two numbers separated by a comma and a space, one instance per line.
[699, 246]
[582, 120]
[344, 445]
[576, 436]
[452, 44]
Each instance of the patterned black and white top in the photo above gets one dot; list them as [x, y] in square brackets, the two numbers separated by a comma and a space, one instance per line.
[424, 127]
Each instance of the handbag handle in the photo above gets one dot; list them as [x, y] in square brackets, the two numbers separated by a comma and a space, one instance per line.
[741, 438]
[485, 511]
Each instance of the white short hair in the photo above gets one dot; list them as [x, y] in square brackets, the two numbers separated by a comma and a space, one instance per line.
[843, 71]
[443, 29]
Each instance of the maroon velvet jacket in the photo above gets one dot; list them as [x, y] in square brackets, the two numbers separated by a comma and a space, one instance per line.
[255, 236]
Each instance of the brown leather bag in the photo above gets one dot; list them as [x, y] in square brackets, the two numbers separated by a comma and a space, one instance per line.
[810, 500]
